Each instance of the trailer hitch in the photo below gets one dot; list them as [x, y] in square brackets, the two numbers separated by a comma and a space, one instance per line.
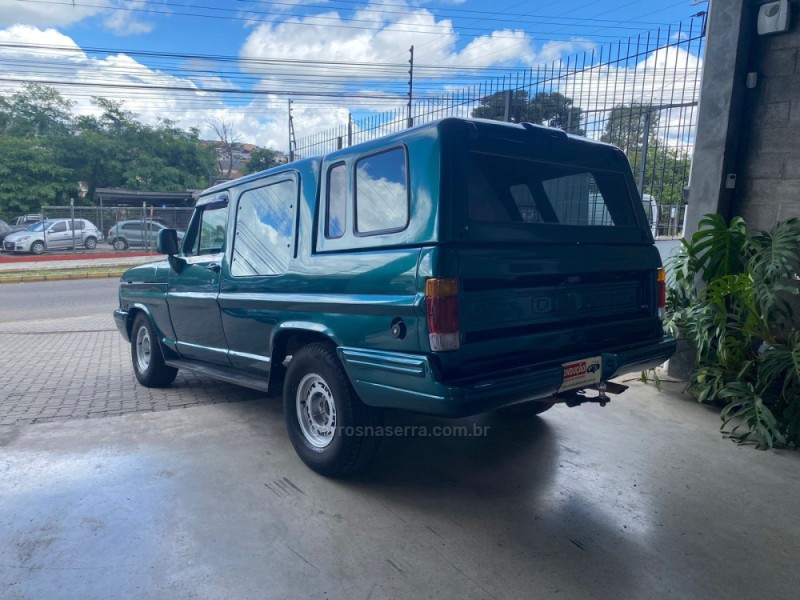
[603, 389]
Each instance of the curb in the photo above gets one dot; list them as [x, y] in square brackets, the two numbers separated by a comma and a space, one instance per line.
[56, 276]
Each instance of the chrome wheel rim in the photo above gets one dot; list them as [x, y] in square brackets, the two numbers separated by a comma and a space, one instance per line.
[143, 349]
[91, 244]
[316, 411]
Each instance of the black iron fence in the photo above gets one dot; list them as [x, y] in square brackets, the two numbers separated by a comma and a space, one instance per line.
[640, 94]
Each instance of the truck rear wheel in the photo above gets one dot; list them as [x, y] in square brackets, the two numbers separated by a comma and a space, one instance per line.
[331, 430]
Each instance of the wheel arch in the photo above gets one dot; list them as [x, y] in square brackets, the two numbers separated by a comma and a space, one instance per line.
[135, 309]
[288, 339]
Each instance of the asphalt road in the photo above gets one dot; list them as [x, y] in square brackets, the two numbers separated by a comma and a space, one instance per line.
[57, 299]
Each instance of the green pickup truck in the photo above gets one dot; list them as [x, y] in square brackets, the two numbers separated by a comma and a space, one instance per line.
[454, 268]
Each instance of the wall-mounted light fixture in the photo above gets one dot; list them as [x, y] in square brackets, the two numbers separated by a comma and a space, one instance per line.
[773, 17]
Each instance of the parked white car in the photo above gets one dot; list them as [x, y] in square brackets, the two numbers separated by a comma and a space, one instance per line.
[54, 234]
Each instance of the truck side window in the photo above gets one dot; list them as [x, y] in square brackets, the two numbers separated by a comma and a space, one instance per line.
[381, 191]
[264, 230]
[336, 201]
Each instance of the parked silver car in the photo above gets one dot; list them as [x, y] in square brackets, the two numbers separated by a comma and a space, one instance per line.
[136, 232]
[53, 234]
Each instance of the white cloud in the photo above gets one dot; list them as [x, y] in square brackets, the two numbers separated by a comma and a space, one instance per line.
[123, 23]
[259, 121]
[26, 35]
[49, 14]
[13, 12]
[382, 38]
[668, 78]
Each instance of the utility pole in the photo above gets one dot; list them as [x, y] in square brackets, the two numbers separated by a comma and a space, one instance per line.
[292, 142]
[645, 148]
[349, 129]
[410, 122]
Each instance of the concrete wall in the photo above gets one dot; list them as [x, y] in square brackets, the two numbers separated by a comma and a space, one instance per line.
[719, 115]
[768, 185]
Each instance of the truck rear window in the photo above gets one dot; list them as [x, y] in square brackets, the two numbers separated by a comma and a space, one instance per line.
[503, 189]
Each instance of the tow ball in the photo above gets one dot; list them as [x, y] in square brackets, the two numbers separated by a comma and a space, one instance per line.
[603, 389]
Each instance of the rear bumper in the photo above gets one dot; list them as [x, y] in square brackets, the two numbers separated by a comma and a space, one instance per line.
[406, 381]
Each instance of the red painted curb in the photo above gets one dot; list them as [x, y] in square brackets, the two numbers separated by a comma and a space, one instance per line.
[48, 257]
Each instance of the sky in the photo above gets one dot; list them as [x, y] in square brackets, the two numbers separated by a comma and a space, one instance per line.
[201, 61]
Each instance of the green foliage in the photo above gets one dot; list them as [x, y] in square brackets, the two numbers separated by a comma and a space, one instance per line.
[666, 170]
[35, 111]
[626, 125]
[30, 170]
[261, 159]
[545, 108]
[45, 151]
[729, 296]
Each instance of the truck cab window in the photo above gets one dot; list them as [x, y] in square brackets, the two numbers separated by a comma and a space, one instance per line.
[209, 232]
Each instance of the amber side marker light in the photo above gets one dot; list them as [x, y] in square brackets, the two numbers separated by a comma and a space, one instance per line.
[441, 299]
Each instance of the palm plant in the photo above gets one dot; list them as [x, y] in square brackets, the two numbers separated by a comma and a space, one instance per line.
[730, 296]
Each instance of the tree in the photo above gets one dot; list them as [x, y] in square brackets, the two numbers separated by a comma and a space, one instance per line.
[626, 125]
[545, 108]
[45, 151]
[230, 141]
[35, 111]
[30, 176]
[666, 169]
[116, 150]
[262, 159]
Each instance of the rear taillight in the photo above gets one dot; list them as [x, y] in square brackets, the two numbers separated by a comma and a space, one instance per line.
[661, 292]
[442, 308]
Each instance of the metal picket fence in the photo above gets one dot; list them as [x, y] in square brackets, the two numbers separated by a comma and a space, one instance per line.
[124, 228]
[640, 94]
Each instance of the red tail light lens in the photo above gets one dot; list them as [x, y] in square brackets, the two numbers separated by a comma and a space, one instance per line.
[442, 308]
[661, 292]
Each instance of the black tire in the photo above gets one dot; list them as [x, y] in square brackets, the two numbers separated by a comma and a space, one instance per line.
[90, 243]
[346, 439]
[526, 409]
[120, 244]
[147, 357]
[38, 247]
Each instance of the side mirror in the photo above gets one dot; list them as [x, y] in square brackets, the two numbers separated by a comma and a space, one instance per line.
[167, 242]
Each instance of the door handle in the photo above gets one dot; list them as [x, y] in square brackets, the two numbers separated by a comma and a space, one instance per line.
[213, 267]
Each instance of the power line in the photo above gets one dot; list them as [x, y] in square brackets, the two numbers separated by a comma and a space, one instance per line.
[445, 12]
[428, 30]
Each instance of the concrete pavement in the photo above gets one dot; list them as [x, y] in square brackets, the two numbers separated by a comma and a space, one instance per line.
[110, 490]
[641, 499]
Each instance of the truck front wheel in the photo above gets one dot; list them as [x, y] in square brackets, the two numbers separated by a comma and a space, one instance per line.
[331, 430]
[148, 361]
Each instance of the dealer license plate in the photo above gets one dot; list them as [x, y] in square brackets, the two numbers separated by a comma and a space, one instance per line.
[581, 373]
